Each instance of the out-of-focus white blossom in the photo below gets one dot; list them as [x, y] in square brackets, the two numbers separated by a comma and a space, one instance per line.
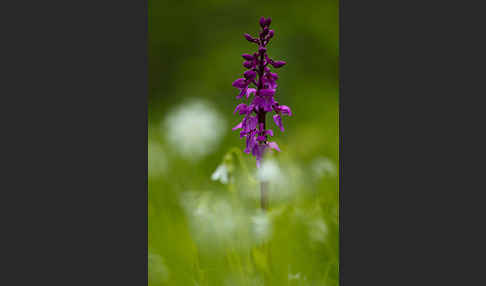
[262, 227]
[323, 167]
[318, 230]
[211, 217]
[220, 174]
[283, 180]
[294, 276]
[194, 129]
[158, 271]
[216, 218]
[270, 171]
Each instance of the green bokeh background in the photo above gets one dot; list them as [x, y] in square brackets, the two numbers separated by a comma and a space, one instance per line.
[195, 52]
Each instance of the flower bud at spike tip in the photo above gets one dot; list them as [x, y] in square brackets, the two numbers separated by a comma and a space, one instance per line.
[262, 21]
[268, 21]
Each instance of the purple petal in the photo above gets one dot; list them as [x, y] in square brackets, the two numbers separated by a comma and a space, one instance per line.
[278, 64]
[238, 126]
[267, 106]
[261, 138]
[247, 57]
[248, 64]
[285, 110]
[270, 34]
[268, 21]
[269, 132]
[262, 21]
[240, 83]
[249, 91]
[273, 145]
[250, 38]
[273, 75]
[258, 153]
[278, 121]
[251, 143]
[258, 149]
[260, 103]
[269, 83]
[267, 92]
[242, 108]
[252, 122]
[250, 75]
[242, 92]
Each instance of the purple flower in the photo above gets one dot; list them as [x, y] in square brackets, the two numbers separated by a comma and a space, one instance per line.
[250, 91]
[272, 76]
[241, 83]
[238, 126]
[243, 91]
[242, 109]
[247, 57]
[267, 92]
[270, 34]
[253, 125]
[250, 38]
[250, 75]
[248, 64]
[284, 109]
[262, 22]
[278, 64]
[278, 121]
[273, 145]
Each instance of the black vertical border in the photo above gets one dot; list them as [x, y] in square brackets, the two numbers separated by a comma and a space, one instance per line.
[411, 76]
[75, 103]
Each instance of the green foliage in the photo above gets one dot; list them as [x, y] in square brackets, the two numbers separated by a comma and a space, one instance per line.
[204, 232]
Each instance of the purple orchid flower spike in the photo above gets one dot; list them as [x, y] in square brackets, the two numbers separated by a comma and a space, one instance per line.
[253, 125]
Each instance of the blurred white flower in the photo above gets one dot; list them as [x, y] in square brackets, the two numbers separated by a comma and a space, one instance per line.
[294, 276]
[318, 230]
[194, 129]
[283, 180]
[157, 163]
[269, 171]
[261, 226]
[215, 219]
[210, 217]
[220, 174]
[158, 271]
[322, 166]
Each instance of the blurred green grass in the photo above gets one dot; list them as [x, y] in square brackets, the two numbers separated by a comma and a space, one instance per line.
[203, 232]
